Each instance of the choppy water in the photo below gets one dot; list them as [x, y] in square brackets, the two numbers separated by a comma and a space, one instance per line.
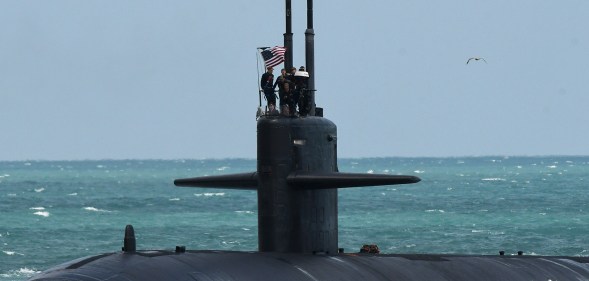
[52, 212]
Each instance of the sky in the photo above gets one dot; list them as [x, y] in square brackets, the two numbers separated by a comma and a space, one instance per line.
[143, 79]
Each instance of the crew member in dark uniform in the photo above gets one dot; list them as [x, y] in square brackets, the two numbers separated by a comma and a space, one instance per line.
[267, 84]
[283, 91]
[301, 80]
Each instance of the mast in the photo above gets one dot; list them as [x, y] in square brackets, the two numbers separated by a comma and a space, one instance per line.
[288, 37]
[310, 56]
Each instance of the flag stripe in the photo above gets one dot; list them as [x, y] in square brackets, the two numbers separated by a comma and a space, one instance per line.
[273, 56]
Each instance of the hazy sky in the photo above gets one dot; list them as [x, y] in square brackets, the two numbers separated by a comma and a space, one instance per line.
[144, 79]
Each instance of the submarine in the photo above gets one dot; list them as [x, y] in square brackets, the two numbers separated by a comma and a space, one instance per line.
[297, 180]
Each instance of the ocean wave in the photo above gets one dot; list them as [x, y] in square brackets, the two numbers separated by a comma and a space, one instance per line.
[37, 208]
[43, 214]
[244, 212]
[370, 172]
[93, 209]
[222, 168]
[174, 199]
[493, 179]
[12, 253]
[39, 189]
[209, 194]
[434, 210]
[73, 194]
[22, 272]
[419, 171]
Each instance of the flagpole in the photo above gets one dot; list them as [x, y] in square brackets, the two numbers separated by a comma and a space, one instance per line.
[258, 70]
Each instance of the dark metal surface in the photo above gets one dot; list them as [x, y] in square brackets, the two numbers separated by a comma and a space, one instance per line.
[234, 181]
[288, 56]
[221, 266]
[129, 243]
[292, 220]
[310, 56]
[304, 180]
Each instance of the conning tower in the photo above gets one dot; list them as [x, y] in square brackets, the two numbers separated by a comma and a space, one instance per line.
[297, 175]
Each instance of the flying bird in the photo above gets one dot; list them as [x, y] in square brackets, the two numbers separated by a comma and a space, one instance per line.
[476, 58]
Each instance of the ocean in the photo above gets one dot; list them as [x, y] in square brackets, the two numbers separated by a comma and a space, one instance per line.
[55, 211]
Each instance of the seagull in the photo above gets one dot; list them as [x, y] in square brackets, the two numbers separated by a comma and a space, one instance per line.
[476, 58]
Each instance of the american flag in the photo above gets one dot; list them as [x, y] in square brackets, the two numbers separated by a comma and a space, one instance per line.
[273, 56]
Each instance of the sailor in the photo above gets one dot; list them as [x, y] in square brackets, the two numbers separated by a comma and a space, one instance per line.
[302, 92]
[283, 91]
[293, 96]
[267, 85]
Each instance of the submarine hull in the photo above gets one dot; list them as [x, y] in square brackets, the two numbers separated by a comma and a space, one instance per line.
[229, 265]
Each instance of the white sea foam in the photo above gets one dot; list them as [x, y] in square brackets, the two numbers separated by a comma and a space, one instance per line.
[174, 199]
[434, 210]
[370, 172]
[222, 168]
[246, 229]
[209, 194]
[93, 209]
[493, 179]
[37, 208]
[12, 253]
[11, 194]
[244, 212]
[22, 272]
[39, 189]
[419, 171]
[73, 194]
[43, 214]
[551, 167]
